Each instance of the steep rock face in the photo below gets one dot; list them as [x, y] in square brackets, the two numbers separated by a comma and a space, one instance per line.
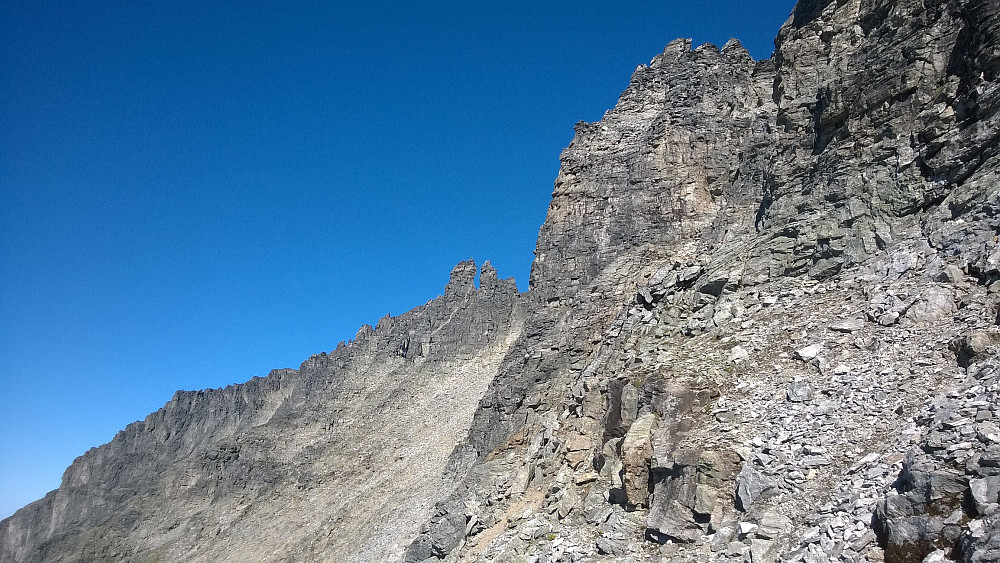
[887, 121]
[652, 178]
[863, 154]
[311, 456]
[633, 190]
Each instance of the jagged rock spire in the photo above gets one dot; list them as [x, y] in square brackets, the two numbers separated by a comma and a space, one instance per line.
[462, 280]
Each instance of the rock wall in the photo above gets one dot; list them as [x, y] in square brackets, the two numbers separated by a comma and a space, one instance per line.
[746, 270]
[299, 465]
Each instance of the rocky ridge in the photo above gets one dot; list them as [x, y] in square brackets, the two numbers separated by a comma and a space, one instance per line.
[294, 453]
[762, 326]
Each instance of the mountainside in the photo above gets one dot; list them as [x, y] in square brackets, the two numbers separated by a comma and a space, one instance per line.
[762, 325]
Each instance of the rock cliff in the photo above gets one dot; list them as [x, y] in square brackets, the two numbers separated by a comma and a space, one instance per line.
[761, 326]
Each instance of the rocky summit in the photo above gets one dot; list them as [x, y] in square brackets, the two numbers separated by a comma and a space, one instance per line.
[762, 326]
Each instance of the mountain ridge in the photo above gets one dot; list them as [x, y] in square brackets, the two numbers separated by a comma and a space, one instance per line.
[761, 324]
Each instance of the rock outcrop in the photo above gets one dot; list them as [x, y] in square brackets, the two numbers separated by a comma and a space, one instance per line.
[299, 465]
[762, 326]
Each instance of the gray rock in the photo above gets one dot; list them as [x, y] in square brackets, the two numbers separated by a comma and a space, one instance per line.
[799, 391]
[809, 352]
[705, 498]
[723, 537]
[762, 551]
[848, 325]
[750, 485]
[636, 454]
[834, 178]
[595, 509]
[951, 274]
[934, 304]
[985, 492]
[738, 354]
[773, 524]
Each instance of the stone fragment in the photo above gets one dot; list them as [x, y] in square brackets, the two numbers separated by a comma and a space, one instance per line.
[809, 352]
[761, 551]
[985, 492]
[738, 549]
[670, 520]
[799, 391]
[972, 347]
[750, 485]
[738, 354]
[869, 458]
[847, 325]
[866, 539]
[637, 452]
[704, 500]
[723, 537]
[596, 509]
[772, 524]
[611, 546]
[951, 274]
[815, 461]
[725, 416]
[934, 304]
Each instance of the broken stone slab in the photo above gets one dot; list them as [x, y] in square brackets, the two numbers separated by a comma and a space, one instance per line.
[738, 354]
[704, 500]
[672, 521]
[985, 492]
[611, 546]
[971, 347]
[762, 551]
[772, 524]
[723, 537]
[666, 277]
[815, 461]
[847, 325]
[725, 416]
[934, 304]
[738, 549]
[750, 485]
[809, 352]
[872, 457]
[799, 391]
[951, 274]
[637, 452]
[864, 541]
[596, 509]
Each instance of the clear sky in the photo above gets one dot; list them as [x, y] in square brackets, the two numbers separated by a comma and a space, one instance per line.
[194, 193]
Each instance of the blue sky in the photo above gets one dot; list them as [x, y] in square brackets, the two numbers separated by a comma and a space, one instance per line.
[191, 195]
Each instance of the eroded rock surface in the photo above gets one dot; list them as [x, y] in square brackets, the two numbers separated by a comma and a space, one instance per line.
[762, 326]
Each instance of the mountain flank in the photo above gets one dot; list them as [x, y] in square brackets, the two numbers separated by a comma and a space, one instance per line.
[762, 325]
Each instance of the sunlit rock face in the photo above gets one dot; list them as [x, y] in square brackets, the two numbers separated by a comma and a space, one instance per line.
[267, 470]
[762, 326]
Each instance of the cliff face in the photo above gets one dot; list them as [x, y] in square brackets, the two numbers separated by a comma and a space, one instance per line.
[301, 465]
[762, 323]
